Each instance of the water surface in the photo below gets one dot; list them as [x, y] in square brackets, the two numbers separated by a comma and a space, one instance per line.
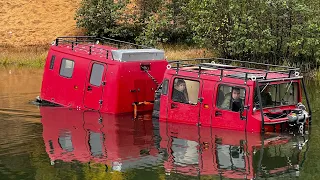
[59, 143]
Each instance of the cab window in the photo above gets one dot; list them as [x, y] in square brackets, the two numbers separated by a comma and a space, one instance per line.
[230, 97]
[164, 87]
[185, 91]
[277, 94]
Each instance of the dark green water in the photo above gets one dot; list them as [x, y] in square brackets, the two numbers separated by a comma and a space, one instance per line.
[57, 143]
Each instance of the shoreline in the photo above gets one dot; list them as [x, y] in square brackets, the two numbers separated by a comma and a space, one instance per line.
[35, 55]
[27, 56]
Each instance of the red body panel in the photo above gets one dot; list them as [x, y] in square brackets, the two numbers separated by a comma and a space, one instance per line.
[125, 82]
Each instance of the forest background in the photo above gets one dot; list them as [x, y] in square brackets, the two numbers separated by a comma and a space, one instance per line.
[285, 32]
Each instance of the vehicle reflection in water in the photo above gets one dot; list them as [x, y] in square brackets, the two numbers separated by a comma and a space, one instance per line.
[91, 137]
[121, 143]
[201, 151]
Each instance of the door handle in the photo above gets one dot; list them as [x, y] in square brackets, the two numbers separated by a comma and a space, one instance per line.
[173, 105]
[218, 113]
[89, 88]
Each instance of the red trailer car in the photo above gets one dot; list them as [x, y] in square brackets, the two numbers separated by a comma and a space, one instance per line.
[93, 73]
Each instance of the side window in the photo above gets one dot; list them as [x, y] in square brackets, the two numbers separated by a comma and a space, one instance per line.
[66, 68]
[164, 89]
[96, 74]
[230, 97]
[185, 91]
[53, 58]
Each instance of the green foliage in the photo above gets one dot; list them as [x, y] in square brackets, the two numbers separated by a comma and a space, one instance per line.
[154, 32]
[267, 31]
[167, 25]
[103, 18]
[145, 8]
[273, 31]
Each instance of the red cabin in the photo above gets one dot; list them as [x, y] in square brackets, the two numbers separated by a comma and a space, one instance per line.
[231, 94]
[230, 154]
[93, 73]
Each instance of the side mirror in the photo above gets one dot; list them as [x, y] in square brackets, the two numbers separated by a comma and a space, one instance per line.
[241, 112]
[257, 105]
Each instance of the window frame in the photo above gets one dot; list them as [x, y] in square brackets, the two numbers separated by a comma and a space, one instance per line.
[101, 74]
[229, 85]
[165, 87]
[66, 59]
[52, 60]
[278, 91]
[185, 79]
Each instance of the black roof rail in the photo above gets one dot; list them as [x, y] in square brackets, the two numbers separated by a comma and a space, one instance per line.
[102, 40]
[235, 66]
[88, 44]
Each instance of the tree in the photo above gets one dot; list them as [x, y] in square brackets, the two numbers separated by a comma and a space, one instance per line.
[278, 31]
[167, 25]
[103, 17]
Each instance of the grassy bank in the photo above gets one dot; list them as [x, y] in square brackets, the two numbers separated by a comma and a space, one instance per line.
[176, 52]
[29, 56]
[34, 56]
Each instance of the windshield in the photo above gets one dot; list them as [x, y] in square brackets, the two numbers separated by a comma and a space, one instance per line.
[278, 94]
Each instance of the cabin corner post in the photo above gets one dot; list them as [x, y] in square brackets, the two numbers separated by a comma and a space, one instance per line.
[260, 106]
[307, 99]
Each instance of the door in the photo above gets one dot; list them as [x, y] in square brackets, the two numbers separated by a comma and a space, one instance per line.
[94, 86]
[230, 98]
[183, 102]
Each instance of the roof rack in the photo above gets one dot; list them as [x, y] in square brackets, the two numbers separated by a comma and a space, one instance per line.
[90, 44]
[256, 71]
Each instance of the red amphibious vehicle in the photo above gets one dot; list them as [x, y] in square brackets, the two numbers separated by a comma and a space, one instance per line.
[233, 94]
[102, 74]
